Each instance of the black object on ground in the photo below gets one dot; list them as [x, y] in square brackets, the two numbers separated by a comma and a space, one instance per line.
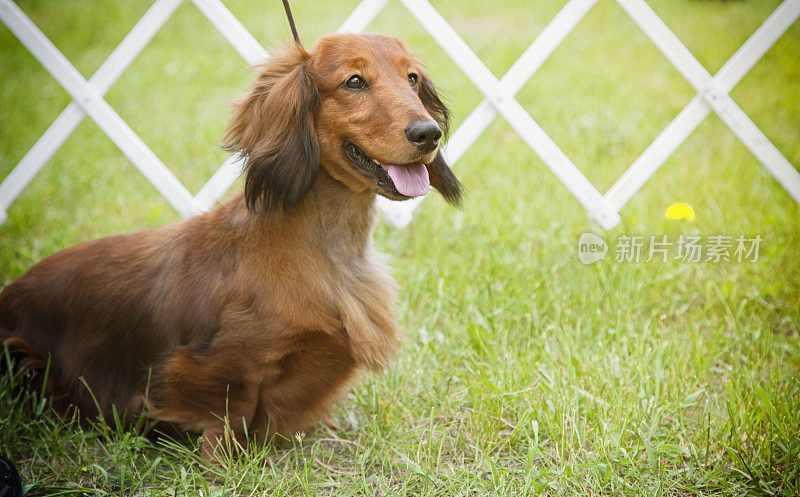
[10, 484]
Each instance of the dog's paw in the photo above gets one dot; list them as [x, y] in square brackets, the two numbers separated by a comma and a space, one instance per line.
[329, 423]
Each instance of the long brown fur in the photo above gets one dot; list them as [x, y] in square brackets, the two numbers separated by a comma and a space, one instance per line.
[263, 309]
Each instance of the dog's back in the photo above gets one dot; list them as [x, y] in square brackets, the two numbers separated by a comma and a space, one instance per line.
[106, 311]
[59, 311]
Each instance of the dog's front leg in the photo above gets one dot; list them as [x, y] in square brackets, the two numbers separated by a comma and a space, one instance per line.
[208, 392]
[371, 329]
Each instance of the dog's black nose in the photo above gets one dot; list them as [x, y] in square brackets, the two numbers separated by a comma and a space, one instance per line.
[424, 135]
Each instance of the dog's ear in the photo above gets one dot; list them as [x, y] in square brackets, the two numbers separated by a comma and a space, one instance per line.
[442, 177]
[433, 104]
[273, 126]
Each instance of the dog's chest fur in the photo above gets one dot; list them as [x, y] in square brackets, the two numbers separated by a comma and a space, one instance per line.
[302, 312]
[318, 271]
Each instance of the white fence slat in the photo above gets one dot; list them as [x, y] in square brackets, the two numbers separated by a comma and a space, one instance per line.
[253, 53]
[479, 119]
[758, 44]
[657, 153]
[499, 98]
[719, 101]
[233, 31]
[97, 108]
[510, 109]
[546, 43]
[73, 114]
[760, 146]
[27, 168]
[220, 181]
[669, 45]
[134, 42]
[364, 13]
[693, 114]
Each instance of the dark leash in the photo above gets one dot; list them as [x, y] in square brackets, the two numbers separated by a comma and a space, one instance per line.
[10, 484]
[291, 23]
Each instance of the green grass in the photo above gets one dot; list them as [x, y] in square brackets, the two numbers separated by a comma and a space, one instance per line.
[522, 371]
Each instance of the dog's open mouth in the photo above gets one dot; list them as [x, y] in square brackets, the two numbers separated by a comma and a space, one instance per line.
[403, 180]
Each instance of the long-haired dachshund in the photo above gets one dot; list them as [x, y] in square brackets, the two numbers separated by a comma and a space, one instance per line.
[263, 309]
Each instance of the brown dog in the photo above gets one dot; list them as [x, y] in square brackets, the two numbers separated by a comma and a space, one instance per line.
[262, 309]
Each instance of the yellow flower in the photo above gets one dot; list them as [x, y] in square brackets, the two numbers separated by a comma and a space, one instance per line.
[680, 211]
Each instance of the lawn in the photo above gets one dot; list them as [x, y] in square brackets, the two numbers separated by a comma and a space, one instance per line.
[523, 371]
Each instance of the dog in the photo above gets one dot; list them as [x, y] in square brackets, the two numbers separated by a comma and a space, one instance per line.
[262, 310]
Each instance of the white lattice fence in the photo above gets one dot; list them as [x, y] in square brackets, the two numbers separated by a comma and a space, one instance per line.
[712, 95]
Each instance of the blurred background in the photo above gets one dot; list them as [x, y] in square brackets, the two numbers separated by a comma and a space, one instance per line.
[603, 96]
[494, 299]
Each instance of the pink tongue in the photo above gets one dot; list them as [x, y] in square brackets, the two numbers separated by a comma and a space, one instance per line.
[411, 180]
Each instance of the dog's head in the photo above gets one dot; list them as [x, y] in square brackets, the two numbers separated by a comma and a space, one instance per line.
[360, 106]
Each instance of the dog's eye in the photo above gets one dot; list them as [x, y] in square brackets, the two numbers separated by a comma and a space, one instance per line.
[355, 82]
[413, 78]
